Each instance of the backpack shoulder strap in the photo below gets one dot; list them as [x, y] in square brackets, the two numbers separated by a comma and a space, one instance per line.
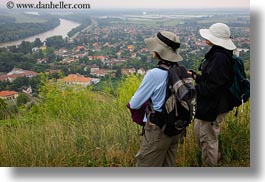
[166, 65]
[163, 67]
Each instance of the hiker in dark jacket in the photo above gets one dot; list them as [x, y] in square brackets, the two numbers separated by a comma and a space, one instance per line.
[213, 97]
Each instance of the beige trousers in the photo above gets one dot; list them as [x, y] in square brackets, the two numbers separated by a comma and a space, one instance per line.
[207, 134]
[157, 149]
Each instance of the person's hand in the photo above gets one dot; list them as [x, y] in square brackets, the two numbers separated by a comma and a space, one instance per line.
[192, 73]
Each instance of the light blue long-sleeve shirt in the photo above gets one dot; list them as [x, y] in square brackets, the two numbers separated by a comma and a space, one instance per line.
[153, 86]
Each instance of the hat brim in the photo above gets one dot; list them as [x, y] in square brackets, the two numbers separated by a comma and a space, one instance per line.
[165, 52]
[222, 42]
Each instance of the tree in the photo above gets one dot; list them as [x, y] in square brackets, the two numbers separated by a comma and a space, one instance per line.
[38, 54]
[37, 43]
[118, 72]
[83, 60]
[22, 99]
[18, 83]
[26, 62]
[25, 47]
[50, 54]
[13, 48]
[55, 42]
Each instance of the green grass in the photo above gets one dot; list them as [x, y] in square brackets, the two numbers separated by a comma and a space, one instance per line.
[11, 102]
[80, 127]
[234, 142]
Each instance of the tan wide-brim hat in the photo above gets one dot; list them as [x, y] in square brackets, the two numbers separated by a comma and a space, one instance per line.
[166, 44]
[218, 34]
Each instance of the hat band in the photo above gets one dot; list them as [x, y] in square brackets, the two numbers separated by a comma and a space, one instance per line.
[170, 43]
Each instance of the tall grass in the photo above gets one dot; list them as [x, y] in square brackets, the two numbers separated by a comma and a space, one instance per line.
[79, 127]
[234, 142]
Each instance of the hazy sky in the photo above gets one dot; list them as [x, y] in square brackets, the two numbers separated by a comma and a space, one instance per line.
[170, 3]
[96, 4]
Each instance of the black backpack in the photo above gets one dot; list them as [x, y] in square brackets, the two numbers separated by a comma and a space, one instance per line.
[240, 88]
[179, 108]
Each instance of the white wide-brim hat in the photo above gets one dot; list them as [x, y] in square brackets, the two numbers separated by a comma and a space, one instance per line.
[166, 45]
[218, 34]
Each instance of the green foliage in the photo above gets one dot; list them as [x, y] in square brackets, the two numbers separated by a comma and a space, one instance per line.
[9, 60]
[55, 42]
[49, 52]
[234, 142]
[25, 47]
[20, 82]
[3, 109]
[37, 43]
[71, 126]
[8, 109]
[22, 99]
[15, 31]
[74, 126]
[127, 88]
[236, 135]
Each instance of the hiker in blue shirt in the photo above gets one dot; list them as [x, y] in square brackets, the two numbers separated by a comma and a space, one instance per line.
[157, 149]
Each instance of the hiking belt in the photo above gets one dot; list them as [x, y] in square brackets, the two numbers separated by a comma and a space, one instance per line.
[154, 116]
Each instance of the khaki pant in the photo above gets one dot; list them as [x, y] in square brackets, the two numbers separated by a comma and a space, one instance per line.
[207, 134]
[157, 149]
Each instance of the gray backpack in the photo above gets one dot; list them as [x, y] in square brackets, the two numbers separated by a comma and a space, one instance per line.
[179, 108]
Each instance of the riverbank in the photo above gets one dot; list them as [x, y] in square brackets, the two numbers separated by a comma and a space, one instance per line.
[62, 29]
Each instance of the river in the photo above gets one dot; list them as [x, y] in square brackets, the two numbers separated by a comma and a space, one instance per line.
[62, 29]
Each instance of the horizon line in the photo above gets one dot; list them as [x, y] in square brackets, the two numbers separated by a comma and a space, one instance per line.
[133, 8]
